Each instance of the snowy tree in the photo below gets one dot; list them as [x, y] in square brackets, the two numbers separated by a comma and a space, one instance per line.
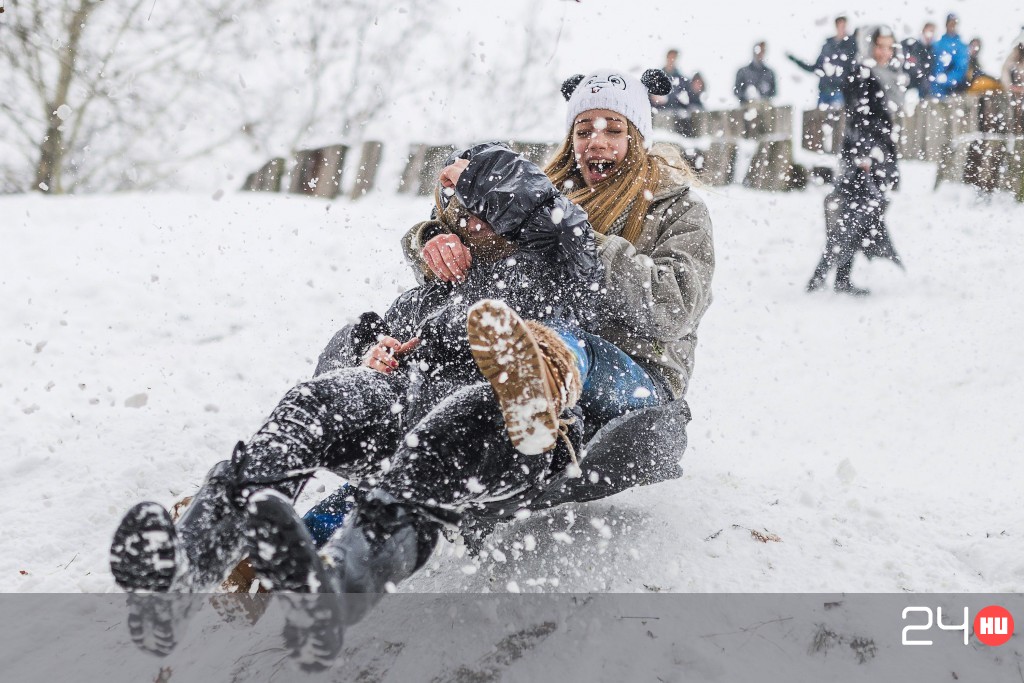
[333, 70]
[119, 94]
[103, 90]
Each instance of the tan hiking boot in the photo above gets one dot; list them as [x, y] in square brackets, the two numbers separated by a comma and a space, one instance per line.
[532, 371]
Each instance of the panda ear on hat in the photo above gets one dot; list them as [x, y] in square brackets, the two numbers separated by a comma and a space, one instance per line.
[570, 84]
[657, 82]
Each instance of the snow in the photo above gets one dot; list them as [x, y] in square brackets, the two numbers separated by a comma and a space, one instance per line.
[871, 441]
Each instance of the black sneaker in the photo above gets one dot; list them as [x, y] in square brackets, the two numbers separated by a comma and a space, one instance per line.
[285, 558]
[847, 288]
[157, 620]
[145, 556]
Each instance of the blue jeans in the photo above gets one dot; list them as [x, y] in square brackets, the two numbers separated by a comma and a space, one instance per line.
[613, 383]
[831, 99]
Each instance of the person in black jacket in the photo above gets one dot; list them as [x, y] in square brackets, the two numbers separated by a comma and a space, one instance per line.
[855, 211]
[918, 61]
[755, 81]
[681, 100]
[836, 54]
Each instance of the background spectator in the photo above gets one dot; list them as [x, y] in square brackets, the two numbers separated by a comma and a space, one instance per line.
[697, 88]
[977, 82]
[677, 102]
[1013, 68]
[1013, 80]
[919, 60]
[951, 58]
[755, 81]
[835, 54]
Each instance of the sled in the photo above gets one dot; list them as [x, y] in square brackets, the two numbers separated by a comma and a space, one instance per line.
[636, 449]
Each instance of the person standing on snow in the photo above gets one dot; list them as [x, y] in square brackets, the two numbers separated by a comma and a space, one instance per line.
[678, 100]
[951, 60]
[755, 81]
[855, 210]
[836, 54]
[919, 59]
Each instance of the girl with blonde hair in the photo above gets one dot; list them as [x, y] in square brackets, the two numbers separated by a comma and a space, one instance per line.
[654, 238]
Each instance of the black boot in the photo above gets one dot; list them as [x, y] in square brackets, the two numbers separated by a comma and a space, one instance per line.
[386, 542]
[817, 280]
[852, 290]
[152, 554]
[381, 544]
[145, 553]
[284, 556]
[843, 284]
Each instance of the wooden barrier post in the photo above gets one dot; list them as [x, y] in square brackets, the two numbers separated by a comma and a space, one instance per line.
[937, 130]
[771, 169]
[984, 163]
[433, 162]
[409, 183]
[719, 167]
[366, 173]
[822, 130]
[328, 172]
[307, 161]
[267, 178]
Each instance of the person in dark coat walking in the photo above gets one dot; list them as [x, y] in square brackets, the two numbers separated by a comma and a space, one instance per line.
[836, 54]
[855, 210]
[755, 81]
[919, 59]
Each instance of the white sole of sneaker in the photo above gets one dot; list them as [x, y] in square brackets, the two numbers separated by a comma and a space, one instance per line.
[512, 361]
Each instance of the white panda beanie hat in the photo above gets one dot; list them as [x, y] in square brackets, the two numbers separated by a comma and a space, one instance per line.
[618, 92]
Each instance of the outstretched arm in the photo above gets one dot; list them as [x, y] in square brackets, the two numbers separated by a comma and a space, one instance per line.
[806, 66]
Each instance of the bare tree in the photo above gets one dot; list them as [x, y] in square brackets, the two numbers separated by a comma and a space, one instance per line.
[335, 70]
[98, 88]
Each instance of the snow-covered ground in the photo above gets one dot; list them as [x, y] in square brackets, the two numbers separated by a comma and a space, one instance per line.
[874, 441]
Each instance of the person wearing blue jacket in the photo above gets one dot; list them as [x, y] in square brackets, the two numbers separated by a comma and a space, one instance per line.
[949, 69]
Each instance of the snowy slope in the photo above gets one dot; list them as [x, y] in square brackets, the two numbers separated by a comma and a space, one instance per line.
[877, 438]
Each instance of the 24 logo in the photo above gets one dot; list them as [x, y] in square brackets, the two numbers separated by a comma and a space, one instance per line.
[993, 625]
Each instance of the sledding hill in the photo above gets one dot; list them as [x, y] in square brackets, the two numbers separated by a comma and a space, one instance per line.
[837, 444]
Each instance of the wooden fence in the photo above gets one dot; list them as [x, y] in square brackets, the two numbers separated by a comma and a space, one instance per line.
[974, 140]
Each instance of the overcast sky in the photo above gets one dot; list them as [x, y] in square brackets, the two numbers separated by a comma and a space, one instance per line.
[716, 37]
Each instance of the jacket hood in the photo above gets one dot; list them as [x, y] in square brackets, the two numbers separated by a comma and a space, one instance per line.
[675, 177]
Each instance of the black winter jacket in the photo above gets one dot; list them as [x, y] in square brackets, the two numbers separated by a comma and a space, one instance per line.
[918, 60]
[757, 75]
[835, 58]
[868, 133]
[554, 274]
